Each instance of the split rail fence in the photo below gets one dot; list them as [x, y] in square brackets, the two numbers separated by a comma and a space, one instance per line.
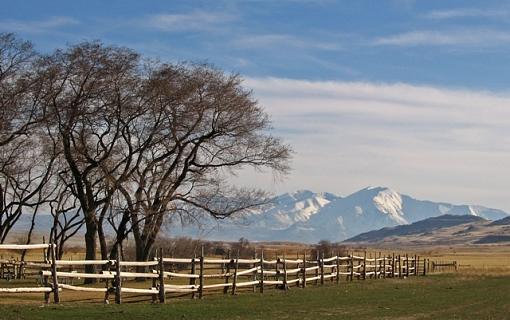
[198, 275]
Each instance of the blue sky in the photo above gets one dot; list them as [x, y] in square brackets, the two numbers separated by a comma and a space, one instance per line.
[451, 43]
[402, 93]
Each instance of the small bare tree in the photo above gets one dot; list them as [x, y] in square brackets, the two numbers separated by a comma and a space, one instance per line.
[26, 163]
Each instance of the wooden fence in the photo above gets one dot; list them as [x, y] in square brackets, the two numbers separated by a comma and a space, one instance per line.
[441, 266]
[198, 275]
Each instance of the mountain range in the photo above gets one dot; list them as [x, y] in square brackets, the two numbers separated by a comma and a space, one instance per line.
[308, 217]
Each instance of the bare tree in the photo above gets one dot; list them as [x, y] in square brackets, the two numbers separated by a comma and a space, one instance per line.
[67, 216]
[19, 109]
[132, 144]
[205, 126]
[88, 94]
[26, 163]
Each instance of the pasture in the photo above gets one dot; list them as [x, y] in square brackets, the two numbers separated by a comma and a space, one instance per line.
[445, 296]
[479, 290]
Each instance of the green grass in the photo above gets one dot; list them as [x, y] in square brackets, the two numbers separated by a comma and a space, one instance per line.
[433, 297]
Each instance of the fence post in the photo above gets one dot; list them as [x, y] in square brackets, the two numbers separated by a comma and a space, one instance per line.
[393, 265]
[118, 279]
[317, 262]
[407, 265]
[254, 276]
[45, 278]
[277, 269]
[321, 262]
[304, 270]
[193, 281]
[285, 287]
[364, 265]
[352, 266]
[416, 264]
[106, 283]
[225, 288]
[424, 266]
[261, 270]
[399, 266]
[337, 268]
[376, 265]
[154, 280]
[161, 277]
[56, 296]
[384, 266]
[234, 280]
[201, 276]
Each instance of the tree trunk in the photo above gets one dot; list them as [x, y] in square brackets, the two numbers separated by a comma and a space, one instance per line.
[121, 234]
[102, 242]
[90, 247]
[141, 255]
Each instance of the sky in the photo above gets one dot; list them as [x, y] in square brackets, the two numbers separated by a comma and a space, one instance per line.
[412, 95]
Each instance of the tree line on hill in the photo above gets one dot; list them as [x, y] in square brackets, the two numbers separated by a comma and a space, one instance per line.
[102, 137]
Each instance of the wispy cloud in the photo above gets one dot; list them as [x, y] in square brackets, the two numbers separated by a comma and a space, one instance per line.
[266, 41]
[430, 141]
[466, 37]
[37, 26]
[191, 21]
[467, 13]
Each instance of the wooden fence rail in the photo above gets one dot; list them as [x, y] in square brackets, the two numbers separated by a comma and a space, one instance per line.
[231, 274]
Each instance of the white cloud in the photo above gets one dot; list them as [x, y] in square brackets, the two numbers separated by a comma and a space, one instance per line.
[39, 26]
[467, 13]
[191, 21]
[266, 41]
[435, 143]
[466, 37]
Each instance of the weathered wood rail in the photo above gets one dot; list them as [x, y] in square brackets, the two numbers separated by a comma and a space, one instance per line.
[229, 275]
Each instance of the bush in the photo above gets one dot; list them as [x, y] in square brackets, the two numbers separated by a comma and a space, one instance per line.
[329, 249]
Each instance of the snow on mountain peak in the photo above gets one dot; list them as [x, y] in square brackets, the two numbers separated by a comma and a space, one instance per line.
[297, 206]
[390, 203]
[307, 216]
[302, 194]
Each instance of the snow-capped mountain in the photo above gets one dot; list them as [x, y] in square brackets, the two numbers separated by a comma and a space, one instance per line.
[306, 216]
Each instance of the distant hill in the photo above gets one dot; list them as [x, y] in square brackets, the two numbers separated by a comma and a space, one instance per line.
[420, 227]
[442, 230]
[501, 222]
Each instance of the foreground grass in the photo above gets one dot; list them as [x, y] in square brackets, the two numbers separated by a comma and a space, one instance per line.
[434, 297]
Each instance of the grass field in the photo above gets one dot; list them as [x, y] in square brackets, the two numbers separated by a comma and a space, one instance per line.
[480, 290]
[444, 296]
